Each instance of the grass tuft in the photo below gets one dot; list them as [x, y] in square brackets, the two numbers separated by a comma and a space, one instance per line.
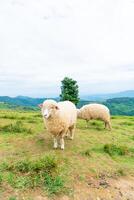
[53, 185]
[113, 149]
[33, 173]
[17, 127]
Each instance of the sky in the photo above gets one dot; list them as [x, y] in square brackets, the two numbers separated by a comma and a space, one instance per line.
[42, 41]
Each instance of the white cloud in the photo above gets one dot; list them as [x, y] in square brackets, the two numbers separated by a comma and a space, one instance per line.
[42, 41]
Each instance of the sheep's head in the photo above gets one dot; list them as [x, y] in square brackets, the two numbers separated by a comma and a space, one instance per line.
[49, 108]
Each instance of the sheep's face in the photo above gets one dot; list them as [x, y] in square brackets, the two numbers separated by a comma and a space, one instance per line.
[49, 111]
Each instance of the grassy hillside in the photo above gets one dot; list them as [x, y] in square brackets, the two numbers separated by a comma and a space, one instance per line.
[30, 168]
[21, 101]
[117, 106]
[121, 106]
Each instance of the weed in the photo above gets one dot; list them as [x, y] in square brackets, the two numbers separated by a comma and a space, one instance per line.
[53, 185]
[11, 178]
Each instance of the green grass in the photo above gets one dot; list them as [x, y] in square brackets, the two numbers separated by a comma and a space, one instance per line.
[42, 172]
[12, 198]
[28, 162]
[113, 149]
[16, 127]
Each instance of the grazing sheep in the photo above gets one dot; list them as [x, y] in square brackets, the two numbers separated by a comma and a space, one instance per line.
[95, 111]
[60, 118]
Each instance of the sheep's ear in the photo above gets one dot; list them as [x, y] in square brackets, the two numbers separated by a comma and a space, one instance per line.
[40, 105]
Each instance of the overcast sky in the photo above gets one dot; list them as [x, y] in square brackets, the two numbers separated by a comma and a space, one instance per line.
[42, 41]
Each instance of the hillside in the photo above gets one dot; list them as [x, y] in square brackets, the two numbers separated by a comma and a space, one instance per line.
[121, 106]
[97, 164]
[117, 106]
[21, 101]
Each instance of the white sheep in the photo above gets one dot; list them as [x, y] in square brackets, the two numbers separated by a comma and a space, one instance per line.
[60, 118]
[95, 111]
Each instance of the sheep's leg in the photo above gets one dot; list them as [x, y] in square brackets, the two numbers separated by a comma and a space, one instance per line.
[67, 134]
[109, 126]
[105, 124]
[71, 129]
[62, 143]
[55, 143]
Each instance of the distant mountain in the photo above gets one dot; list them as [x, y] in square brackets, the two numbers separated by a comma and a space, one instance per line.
[21, 101]
[118, 106]
[103, 97]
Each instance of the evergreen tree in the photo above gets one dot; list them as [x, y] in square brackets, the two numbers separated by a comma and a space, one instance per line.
[69, 90]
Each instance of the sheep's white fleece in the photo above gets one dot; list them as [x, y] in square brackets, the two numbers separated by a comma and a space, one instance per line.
[61, 121]
[64, 119]
[95, 111]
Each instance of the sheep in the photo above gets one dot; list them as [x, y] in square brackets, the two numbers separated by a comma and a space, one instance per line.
[59, 118]
[95, 111]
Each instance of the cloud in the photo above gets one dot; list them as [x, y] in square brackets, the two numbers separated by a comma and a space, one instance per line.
[43, 41]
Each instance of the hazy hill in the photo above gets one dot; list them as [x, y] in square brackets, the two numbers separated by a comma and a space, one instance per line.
[103, 97]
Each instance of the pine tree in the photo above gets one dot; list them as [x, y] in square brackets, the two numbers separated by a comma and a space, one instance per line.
[69, 90]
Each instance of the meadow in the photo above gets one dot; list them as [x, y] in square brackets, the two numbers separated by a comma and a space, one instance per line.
[31, 169]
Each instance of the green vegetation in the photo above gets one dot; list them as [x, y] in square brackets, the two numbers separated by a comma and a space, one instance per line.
[113, 149]
[121, 106]
[12, 198]
[69, 90]
[29, 164]
[117, 106]
[17, 127]
[41, 172]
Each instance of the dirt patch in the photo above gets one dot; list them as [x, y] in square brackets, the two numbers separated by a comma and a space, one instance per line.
[106, 189]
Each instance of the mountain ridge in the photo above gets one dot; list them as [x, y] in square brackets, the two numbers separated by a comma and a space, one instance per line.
[103, 97]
